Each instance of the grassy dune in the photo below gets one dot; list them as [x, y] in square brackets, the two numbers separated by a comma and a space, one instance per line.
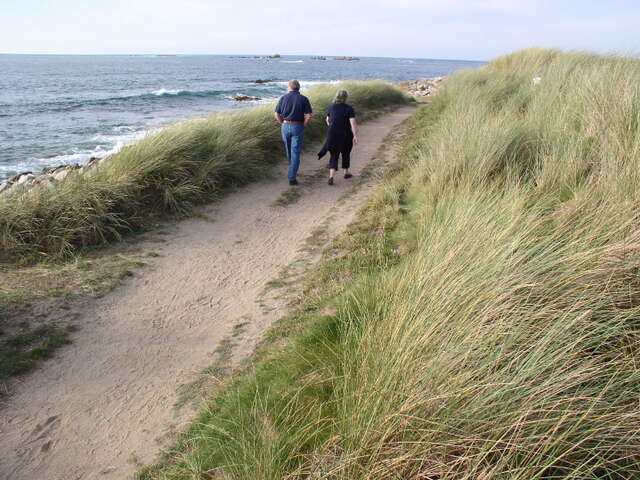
[168, 172]
[482, 318]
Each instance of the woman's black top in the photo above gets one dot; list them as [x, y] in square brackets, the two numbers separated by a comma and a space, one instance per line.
[340, 128]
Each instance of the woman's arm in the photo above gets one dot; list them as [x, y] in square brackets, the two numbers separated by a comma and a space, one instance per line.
[354, 129]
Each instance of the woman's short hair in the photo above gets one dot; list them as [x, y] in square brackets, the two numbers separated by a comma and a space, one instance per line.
[341, 96]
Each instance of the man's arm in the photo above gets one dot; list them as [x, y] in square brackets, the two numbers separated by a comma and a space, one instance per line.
[354, 129]
[308, 112]
[328, 120]
[278, 111]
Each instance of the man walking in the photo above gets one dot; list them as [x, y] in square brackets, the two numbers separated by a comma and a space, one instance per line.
[294, 113]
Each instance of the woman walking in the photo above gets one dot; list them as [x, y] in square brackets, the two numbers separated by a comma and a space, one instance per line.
[342, 134]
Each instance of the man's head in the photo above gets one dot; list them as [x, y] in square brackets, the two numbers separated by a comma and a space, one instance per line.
[294, 85]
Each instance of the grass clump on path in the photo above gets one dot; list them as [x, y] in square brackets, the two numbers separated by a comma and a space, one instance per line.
[482, 318]
[168, 172]
[20, 352]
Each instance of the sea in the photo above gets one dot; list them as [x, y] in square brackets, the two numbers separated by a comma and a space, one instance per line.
[60, 109]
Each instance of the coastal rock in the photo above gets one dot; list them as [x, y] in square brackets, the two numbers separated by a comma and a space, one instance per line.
[318, 58]
[61, 175]
[245, 98]
[4, 186]
[422, 88]
[261, 81]
[53, 170]
[25, 177]
[89, 164]
[16, 178]
[348, 59]
[45, 180]
[48, 178]
[22, 181]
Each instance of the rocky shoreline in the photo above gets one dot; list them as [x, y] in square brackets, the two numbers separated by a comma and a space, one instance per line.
[422, 88]
[50, 176]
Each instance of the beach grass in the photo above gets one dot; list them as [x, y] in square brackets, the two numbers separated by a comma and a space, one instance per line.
[481, 318]
[165, 173]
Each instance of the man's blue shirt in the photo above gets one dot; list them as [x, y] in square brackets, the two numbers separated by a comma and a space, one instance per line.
[293, 106]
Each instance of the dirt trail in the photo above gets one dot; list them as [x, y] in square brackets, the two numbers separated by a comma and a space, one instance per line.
[107, 401]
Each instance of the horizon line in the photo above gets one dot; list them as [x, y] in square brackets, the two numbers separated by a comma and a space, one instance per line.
[241, 55]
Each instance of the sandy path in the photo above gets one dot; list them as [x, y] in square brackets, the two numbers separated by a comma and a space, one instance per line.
[109, 397]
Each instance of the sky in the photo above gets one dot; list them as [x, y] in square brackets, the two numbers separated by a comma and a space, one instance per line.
[454, 29]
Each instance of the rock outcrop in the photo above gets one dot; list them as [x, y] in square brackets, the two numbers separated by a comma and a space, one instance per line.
[245, 98]
[49, 176]
[422, 88]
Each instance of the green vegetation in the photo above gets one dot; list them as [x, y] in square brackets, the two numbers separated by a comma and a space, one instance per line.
[93, 273]
[29, 334]
[481, 319]
[212, 376]
[44, 233]
[21, 351]
[288, 197]
[168, 172]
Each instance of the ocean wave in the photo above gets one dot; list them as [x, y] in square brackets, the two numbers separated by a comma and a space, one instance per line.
[311, 83]
[265, 101]
[111, 144]
[117, 143]
[155, 95]
[183, 93]
[158, 95]
[292, 61]
[164, 91]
